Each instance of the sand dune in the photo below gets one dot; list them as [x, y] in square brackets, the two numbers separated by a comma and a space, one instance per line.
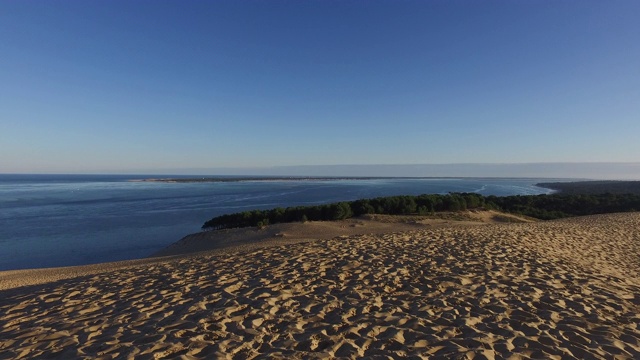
[563, 289]
[291, 233]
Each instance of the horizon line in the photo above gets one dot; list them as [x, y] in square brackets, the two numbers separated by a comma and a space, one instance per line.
[538, 170]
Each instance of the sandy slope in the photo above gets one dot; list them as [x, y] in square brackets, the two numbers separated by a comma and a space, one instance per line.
[563, 289]
[253, 238]
[234, 240]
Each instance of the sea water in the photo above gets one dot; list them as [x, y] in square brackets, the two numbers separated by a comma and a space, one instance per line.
[65, 220]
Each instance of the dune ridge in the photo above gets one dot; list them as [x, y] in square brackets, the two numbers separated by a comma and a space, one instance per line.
[561, 290]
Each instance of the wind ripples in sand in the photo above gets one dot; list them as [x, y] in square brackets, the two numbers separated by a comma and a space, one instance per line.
[565, 289]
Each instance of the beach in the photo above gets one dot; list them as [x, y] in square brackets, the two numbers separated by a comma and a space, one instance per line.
[69, 220]
[478, 288]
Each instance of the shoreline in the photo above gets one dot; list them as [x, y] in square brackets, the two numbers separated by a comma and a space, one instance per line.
[550, 289]
[142, 211]
[233, 241]
[230, 178]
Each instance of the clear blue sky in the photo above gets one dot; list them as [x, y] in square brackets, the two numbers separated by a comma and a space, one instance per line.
[128, 86]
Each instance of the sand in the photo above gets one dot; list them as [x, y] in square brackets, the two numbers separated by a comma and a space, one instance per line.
[293, 233]
[565, 289]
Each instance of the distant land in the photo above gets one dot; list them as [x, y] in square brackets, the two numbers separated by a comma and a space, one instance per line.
[260, 178]
[594, 187]
[208, 179]
[560, 170]
[566, 187]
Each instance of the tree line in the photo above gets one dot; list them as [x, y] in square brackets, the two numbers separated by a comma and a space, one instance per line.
[595, 187]
[544, 207]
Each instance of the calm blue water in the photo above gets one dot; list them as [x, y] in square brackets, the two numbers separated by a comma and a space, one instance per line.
[64, 220]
